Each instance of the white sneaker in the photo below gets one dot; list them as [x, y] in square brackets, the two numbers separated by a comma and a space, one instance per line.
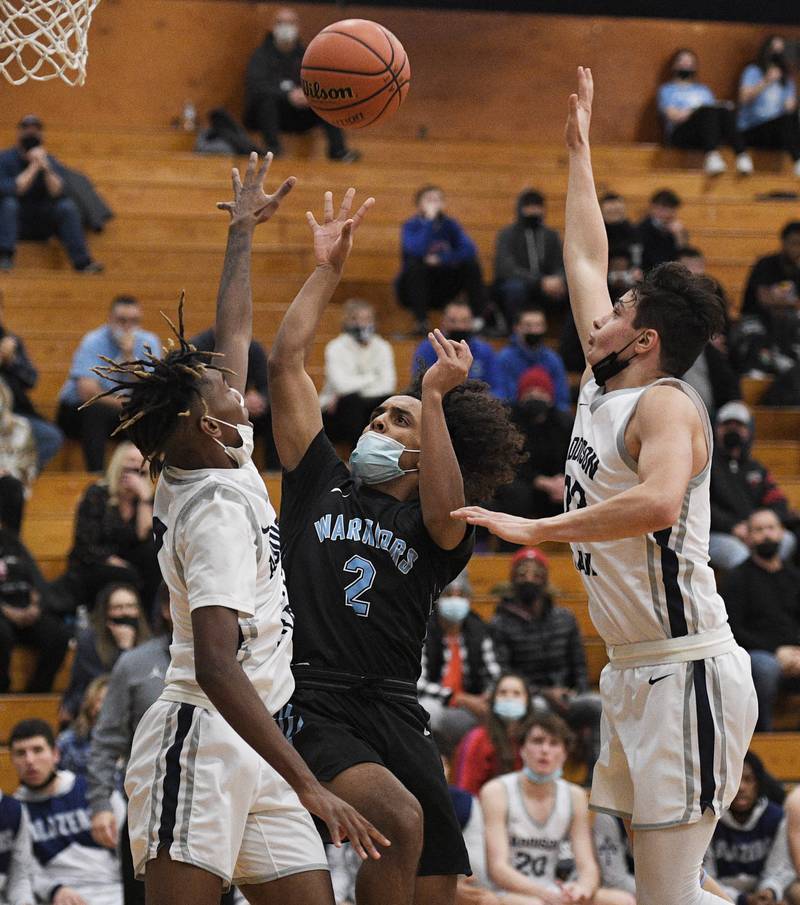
[796, 170]
[714, 164]
[744, 164]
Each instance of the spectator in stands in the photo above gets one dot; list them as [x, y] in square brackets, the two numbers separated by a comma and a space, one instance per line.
[747, 855]
[623, 275]
[528, 264]
[768, 102]
[477, 889]
[118, 624]
[537, 491]
[17, 462]
[457, 324]
[16, 854]
[120, 339]
[71, 867]
[661, 233]
[740, 484]
[26, 617]
[114, 533]
[763, 600]
[359, 373]
[527, 349]
[17, 370]
[621, 233]
[493, 748]
[32, 200]
[274, 98]
[458, 667]
[440, 261]
[612, 847]
[693, 118]
[791, 894]
[75, 742]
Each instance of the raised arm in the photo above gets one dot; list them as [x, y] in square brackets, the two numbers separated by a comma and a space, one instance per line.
[296, 416]
[234, 322]
[585, 240]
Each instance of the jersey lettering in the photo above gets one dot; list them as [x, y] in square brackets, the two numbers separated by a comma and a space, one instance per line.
[370, 533]
[528, 865]
[366, 577]
[574, 494]
[583, 562]
[584, 455]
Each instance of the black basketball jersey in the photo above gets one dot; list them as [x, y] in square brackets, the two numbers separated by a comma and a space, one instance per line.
[361, 570]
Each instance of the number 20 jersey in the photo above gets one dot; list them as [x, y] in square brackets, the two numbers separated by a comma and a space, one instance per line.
[649, 587]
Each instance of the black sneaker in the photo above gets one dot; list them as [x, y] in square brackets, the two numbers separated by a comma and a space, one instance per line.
[350, 156]
[6, 261]
[91, 267]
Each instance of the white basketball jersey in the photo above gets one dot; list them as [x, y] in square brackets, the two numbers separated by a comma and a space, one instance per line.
[535, 847]
[649, 587]
[218, 545]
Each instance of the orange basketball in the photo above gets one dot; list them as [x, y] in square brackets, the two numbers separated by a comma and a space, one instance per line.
[355, 73]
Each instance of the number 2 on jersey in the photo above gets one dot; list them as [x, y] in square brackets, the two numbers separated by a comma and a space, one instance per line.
[365, 572]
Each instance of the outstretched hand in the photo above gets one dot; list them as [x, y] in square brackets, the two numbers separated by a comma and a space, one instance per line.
[251, 205]
[451, 368]
[576, 133]
[516, 530]
[333, 238]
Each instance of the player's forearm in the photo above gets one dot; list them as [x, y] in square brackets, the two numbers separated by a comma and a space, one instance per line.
[301, 322]
[53, 182]
[441, 486]
[234, 315]
[25, 179]
[585, 239]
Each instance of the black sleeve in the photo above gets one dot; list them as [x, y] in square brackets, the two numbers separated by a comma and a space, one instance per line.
[319, 468]
[446, 563]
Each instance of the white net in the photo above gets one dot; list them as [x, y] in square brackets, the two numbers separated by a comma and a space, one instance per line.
[45, 39]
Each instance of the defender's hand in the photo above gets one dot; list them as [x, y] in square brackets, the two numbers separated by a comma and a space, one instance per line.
[576, 133]
[333, 238]
[451, 368]
[251, 205]
[344, 822]
[512, 528]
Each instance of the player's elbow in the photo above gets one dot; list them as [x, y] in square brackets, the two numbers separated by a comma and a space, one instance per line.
[664, 510]
[212, 670]
[282, 361]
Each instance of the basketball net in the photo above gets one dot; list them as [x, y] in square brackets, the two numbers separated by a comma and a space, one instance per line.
[45, 39]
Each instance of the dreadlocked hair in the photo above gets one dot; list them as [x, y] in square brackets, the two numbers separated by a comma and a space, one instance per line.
[158, 391]
[488, 446]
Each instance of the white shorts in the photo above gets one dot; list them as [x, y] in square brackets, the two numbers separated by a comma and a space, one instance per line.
[673, 739]
[198, 790]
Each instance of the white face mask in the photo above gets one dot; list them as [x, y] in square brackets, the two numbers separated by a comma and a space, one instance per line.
[376, 458]
[453, 608]
[285, 32]
[241, 455]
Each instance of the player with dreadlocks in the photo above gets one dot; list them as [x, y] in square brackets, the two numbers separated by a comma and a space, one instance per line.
[216, 793]
[367, 550]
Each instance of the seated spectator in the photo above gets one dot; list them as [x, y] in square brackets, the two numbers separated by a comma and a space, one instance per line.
[791, 894]
[16, 854]
[612, 848]
[458, 667]
[359, 374]
[118, 624]
[457, 324]
[537, 491]
[532, 816]
[763, 600]
[256, 395]
[120, 339]
[493, 748]
[527, 349]
[543, 643]
[70, 866]
[620, 232]
[440, 261]
[74, 743]
[17, 462]
[274, 98]
[477, 889]
[114, 533]
[747, 854]
[26, 617]
[740, 485]
[693, 118]
[623, 275]
[32, 200]
[661, 233]
[528, 264]
[17, 370]
[768, 102]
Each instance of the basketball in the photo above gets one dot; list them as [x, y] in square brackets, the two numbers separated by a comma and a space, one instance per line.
[355, 73]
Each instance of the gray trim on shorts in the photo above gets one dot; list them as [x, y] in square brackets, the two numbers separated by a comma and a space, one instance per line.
[188, 785]
[192, 862]
[666, 824]
[158, 773]
[719, 715]
[279, 875]
[688, 750]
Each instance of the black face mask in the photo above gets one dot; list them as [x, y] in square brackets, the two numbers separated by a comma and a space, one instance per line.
[610, 366]
[361, 334]
[534, 409]
[685, 74]
[458, 335]
[42, 785]
[533, 340]
[732, 440]
[766, 549]
[533, 221]
[30, 141]
[131, 621]
[777, 59]
[527, 592]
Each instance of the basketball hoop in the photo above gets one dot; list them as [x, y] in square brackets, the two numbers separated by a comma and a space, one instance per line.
[45, 39]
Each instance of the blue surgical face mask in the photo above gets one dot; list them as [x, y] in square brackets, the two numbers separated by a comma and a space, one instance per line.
[453, 609]
[376, 459]
[510, 708]
[541, 778]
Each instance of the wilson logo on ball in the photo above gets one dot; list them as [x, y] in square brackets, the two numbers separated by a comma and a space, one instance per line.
[316, 92]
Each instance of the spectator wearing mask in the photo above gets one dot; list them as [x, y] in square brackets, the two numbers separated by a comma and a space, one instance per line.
[26, 618]
[71, 869]
[457, 324]
[274, 98]
[622, 274]
[19, 373]
[528, 263]
[621, 233]
[17, 462]
[75, 742]
[32, 200]
[440, 261]
[740, 485]
[458, 667]
[16, 854]
[492, 749]
[661, 233]
[120, 339]
[359, 374]
[526, 349]
[763, 600]
[117, 625]
[693, 118]
[768, 102]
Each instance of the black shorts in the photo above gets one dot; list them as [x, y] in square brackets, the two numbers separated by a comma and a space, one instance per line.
[340, 730]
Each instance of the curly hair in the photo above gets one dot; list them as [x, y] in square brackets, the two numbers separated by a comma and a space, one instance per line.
[488, 446]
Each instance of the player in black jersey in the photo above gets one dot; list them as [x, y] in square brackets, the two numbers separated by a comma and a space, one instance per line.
[366, 551]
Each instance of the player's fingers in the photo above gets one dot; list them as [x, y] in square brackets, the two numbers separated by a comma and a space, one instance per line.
[312, 220]
[225, 205]
[347, 203]
[264, 168]
[367, 835]
[252, 163]
[438, 348]
[347, 231]
[286, 186]
[362, 212]
[448, 347]
[236, 179]
[327, 207]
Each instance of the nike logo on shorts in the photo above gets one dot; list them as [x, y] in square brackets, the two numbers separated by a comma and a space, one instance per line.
[652, 680]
